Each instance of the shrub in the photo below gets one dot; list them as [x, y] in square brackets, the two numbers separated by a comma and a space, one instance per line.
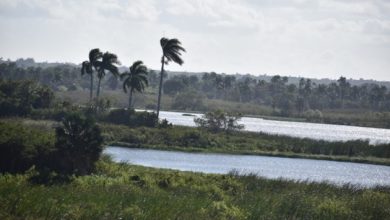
[119, 116]
[78, 145]
[219, 121]
[147, 119]
[132, 118]
[22, 147]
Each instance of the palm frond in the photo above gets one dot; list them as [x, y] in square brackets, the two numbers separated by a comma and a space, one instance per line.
[94, 56]
[86, 68]
[172, 50]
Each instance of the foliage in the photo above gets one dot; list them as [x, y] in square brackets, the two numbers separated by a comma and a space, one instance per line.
[189, 100]
[120, 191]
[135, 80]
[219, 121]
[107, 63]
[78, 145]
[21, 97]
[22, 147]
[89, 66]
[132, 118]
[172, 50]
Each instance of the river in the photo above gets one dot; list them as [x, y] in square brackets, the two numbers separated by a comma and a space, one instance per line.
[316, 131]
[361, 175]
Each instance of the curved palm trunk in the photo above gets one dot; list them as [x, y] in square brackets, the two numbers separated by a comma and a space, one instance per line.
[91, 89]
[160, 88]
[130, 99]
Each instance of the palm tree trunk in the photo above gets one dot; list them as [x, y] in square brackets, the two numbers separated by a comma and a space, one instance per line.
[98, 89]
[160, 88]
[91, 89]
[130, 98]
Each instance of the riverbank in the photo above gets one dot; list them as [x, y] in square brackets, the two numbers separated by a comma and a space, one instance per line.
[121, 191]
[189, 139]
[363, 160]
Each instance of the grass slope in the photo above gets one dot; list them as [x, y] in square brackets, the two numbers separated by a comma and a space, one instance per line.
[121, 191]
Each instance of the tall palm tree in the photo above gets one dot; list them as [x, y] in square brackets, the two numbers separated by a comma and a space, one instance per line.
[135, 80]
[106, 64]
[90, 65]
[171, 52]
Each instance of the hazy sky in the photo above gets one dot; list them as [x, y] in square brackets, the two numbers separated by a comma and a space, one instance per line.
[310, 38]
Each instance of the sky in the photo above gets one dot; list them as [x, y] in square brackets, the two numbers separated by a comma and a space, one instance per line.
[307, 38]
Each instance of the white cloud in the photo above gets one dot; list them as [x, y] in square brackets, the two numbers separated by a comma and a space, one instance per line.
[317, 38]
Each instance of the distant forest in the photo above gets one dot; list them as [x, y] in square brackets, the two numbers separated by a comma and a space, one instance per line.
[286, 95]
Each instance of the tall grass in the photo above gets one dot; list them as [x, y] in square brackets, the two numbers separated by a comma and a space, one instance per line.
[120, 191]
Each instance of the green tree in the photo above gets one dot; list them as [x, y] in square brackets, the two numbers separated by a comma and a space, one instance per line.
[106, 64]
[135, 80]
[88, 67]
[79, 144]
[171, 52]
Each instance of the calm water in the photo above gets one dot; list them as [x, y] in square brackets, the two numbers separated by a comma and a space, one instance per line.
[364, 175]
[296, 129]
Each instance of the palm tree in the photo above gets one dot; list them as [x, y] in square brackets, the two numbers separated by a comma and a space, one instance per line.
[171, 52]
[106, 64]
[135, 80]
[89, 66]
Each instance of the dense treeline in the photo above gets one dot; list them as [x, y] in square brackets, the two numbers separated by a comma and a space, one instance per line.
[22, 97]
[281, 95]
[188, 91]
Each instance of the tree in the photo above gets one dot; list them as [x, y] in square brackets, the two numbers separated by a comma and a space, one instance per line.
[344, 87]
[88, 67]
[135, 80]
[171, 52]
[106, 64]
[78, 145]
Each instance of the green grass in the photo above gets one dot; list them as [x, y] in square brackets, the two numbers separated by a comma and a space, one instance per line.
[120, 191]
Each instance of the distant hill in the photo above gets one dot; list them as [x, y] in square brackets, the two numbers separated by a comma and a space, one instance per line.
[30, 62]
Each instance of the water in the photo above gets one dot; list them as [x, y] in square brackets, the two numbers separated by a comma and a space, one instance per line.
[296, 129]
[363, 175]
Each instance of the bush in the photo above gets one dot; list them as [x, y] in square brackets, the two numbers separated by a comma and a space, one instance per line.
[22, 147]
[132, 118]
[79, 144]
[147, 119]
[119, 116]
[219, 121]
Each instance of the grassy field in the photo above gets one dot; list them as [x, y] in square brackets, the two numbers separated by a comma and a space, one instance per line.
[120, 191]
